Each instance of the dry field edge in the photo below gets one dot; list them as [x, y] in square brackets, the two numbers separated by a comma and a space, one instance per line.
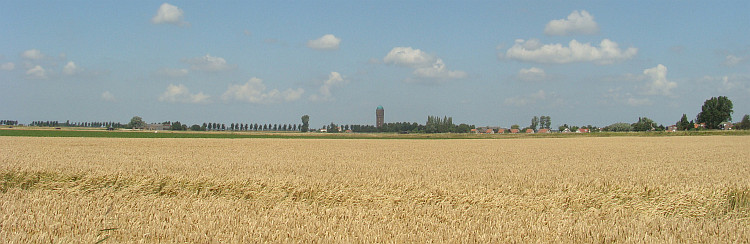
[73, 132]
[580, 189]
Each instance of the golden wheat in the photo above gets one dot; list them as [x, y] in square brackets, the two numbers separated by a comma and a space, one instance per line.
[626, 189]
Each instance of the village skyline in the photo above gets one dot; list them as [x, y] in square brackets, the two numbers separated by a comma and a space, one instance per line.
[481, 63]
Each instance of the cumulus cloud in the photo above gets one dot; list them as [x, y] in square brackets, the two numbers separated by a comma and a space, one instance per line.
[208, 63]
[409, 57]
[325, 42]
[168, 14]
[532, 50]
[334, 79]
[426, 67]
[532, 74]
[108, 97]
[254, 91]
[8, 66]
[172, 73]
[576, 23]
[658, 83]
[36, 72]
[181, 94]
[71, 68]
[32, 54]
[732, 60]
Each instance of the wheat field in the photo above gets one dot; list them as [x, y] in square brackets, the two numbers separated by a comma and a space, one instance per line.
[614, 189]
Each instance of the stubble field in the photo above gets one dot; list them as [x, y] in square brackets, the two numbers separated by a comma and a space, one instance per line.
[621, 189]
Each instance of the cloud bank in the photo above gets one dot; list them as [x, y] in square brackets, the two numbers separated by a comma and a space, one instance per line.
[532, 50]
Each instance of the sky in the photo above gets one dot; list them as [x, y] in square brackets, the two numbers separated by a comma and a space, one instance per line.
[486, 63]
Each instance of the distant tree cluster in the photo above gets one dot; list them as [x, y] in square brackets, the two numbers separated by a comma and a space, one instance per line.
[715, 111]
[8, 122]
[76, 124]
[248, 127]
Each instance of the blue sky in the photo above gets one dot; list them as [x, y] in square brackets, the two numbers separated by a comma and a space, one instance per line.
[484, 63]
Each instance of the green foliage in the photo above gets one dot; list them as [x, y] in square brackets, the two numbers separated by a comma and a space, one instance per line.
[715, 111]
[545, 122]
[176, 126]
[196, 128]
[515, 127]
[534, 123]
[136, 122]
[684, 124]
[745, 123]
[644, 124]
[619, 127]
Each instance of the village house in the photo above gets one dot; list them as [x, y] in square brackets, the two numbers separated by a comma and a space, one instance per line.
[726, 126]
[514, 131]
[671, 128]
[583, 130]
[543, 131]
[529, 131]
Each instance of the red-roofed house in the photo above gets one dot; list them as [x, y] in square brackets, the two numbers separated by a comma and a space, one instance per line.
[513, 130]
[501, 131]
[530, 131]
[583, 130]
[543, 131]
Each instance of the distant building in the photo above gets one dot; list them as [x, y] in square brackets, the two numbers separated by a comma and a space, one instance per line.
[543, 131]
[530, 131]
[514, 131]
[672, 128]
[158, 127]
[583, 130]
[726, 126]
[379, 116]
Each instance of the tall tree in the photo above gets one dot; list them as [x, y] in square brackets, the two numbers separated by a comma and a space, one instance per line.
[136, 122]
[683, 124]
[534, 123]
[715, 111]
[745, 123]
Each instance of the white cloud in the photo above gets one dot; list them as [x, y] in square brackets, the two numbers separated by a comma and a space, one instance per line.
[658, 83]
[71, 68]
[36, 72]
[108, 96]
[532, 74]
[253, 91]
[32, 54]
[409, 57]
[168, 14]
[732, 60]
[8, 66]
[172, 73]
[325, 42]
[426, 67]
[181, 94]
[208, 63]
[576, 23]
[533, 51]
[334, 78]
